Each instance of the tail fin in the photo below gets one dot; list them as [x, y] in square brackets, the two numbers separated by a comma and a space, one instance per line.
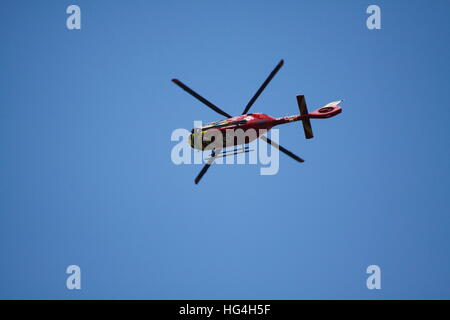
[304, 110]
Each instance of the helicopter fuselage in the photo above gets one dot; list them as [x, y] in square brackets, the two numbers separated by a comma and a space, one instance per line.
[246, 128]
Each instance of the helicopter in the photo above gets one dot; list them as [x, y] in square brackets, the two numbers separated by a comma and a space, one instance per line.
[259, 123]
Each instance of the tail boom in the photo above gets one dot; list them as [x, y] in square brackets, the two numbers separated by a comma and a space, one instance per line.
[327, 111]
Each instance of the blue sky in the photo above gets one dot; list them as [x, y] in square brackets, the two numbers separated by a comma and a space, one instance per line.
[86, 176]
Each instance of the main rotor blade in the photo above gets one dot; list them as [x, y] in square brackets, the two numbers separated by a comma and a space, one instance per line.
[284, 150]
[205, 168]
[199, 97]
[263, 86]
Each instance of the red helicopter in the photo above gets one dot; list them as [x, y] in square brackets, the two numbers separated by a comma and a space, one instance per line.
[259, 122]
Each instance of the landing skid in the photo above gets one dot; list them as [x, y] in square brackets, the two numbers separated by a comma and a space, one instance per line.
[227, 153]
